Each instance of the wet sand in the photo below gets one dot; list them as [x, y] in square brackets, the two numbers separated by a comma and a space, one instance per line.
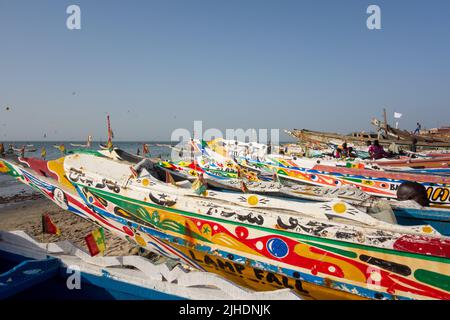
[24, 212]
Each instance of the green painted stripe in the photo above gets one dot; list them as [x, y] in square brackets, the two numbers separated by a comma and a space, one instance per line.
[284, 233]
[435, 279]
[344, 253]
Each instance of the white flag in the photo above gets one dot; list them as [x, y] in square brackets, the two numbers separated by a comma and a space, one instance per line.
[397, 115]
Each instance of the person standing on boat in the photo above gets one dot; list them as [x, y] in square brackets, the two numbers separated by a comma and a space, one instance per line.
[417, 131]
[138, 152]
[2, 149]
[376, 151]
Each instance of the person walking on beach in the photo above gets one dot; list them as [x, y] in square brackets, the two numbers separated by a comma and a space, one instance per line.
[417, 131]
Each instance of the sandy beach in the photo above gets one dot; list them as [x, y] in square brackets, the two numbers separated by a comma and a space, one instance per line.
[24, 212]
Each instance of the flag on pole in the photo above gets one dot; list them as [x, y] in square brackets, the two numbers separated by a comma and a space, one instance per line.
[48, 226]
[397, 115]
[239, 174]
[244, 187]
[204, 145]
[110, 135]
[95, 242]
[145, 148]
[134, 173]
[43, 153]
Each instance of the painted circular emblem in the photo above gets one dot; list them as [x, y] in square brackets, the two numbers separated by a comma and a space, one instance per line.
[340, 207]
[277, 247]
[145, 182]
[241, 232]
[60, 198]
[252, 200]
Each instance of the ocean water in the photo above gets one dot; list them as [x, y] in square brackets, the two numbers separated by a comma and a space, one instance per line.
[10, 187]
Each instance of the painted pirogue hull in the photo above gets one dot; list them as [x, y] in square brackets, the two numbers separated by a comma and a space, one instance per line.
[378, 183]
[264, 254]
[437, 162]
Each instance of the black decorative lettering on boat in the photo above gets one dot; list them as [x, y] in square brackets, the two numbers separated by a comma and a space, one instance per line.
[101, 185]
[241, 272]
[380, 236]
[258, 219]
[162, 200]
[315, 228]
[386, 265]
[76, 175]
[346, 235]
[393, 186]
[292, 223]
[112, 185]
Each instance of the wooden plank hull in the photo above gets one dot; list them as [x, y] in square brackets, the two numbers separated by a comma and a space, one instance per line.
[325, 137]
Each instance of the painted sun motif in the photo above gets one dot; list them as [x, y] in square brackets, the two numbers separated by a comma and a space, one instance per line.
[145, 182]
[427, 229]
[340, 207]
[252, 200]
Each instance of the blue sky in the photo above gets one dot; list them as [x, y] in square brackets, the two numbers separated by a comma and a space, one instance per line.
[160, 65]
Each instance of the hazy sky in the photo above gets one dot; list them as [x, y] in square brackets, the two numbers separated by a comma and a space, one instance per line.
[159, 65]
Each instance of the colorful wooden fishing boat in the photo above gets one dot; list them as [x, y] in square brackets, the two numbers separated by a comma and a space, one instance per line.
[378, 183]
[437, 162]
[322, 250]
